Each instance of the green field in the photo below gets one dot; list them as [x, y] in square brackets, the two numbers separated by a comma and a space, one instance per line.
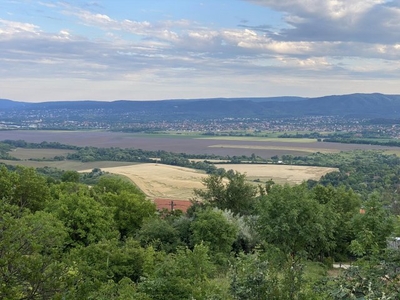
[67, 164]
[23, 153]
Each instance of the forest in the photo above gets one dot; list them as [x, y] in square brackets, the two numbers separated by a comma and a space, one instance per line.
[63, 239]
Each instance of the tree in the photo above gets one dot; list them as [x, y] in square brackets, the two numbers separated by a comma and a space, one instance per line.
[130, 210]
[24, 187]
[228, 191]
[372, 228]
[32, 260]
[188, 274]
[86, 220]
[253, 276]
[378, 277]
[106, 264]
[340, 206]
[213, 229]
[290, 219]
[70, 176]
[159, 234]
[115, 185]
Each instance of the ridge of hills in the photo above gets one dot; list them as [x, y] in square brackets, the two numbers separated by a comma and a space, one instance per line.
[358, 105]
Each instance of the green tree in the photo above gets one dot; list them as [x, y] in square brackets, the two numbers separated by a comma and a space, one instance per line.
[130, 210]
[106, 264]
[340, 206]
[228, 191]
[24, 187]
[86, 220]
[160, 234]
[32, 265]
[70, 176]
[372, 228]
[253, 276]
[115, 185]
[375, 278]
[212, 228]
[187, 274]
[291, 219]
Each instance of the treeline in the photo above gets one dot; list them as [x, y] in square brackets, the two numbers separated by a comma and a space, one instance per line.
[372, 141]
[89, 154]
[65, 240]
[42, 145]
[364, 172]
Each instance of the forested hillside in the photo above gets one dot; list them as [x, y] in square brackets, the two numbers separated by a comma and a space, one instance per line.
[61, 239]
[353, 105]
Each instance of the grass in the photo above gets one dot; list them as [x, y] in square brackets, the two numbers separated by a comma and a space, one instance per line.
[164, 181]
[395, 152]
[66, 164]
[22, 153]
[279, 173]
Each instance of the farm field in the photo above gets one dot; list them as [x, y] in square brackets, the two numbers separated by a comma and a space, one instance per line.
[22, 153]
[190, 145]
[67, 165]
[258, 139]
[171, 182]
[302, 150]
[279, 173]
[161, 181]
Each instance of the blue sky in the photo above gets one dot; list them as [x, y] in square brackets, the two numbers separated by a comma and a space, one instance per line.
[164, 49]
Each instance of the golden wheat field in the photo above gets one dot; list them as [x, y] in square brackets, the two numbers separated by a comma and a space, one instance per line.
[279, 173]
[164, 181]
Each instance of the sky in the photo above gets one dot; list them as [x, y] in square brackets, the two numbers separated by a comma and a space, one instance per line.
[185, 49]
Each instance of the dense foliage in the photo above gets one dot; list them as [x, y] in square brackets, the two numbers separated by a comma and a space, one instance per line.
[66, 240]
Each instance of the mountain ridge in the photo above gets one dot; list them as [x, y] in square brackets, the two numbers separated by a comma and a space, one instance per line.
[375, 105]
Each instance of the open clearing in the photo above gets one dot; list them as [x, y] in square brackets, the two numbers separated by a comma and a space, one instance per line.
[279, 173]
[162, 181]
[69, 165]
[23, 153]
[175, 143]
[171, 182]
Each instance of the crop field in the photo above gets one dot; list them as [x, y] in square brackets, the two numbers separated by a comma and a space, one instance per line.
[175, 143]
[259, 139]
[279, 173]
[67, 164]
[303, 150]
[22, 153]
[171, 182]
[161, 181]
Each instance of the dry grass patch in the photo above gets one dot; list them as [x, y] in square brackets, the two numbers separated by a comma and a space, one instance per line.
[66, 164]
[279, 173]
[22, 153]
[162, 181]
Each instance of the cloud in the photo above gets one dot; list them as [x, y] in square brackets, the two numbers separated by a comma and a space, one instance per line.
[369, 21]
[321, 39]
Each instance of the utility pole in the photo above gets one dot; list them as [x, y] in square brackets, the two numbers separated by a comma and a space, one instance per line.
[172, 205]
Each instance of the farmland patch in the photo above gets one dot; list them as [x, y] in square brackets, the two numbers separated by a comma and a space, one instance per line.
[171, 182]
[279, 173]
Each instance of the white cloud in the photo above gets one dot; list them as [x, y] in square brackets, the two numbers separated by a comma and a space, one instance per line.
[323, 39]
[8, 28]
[367, 21]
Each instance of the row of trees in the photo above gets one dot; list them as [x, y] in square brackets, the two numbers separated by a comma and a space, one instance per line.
[66, 240]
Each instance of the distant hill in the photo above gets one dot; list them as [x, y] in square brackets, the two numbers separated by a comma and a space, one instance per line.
[354, 105]
[7, 104]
